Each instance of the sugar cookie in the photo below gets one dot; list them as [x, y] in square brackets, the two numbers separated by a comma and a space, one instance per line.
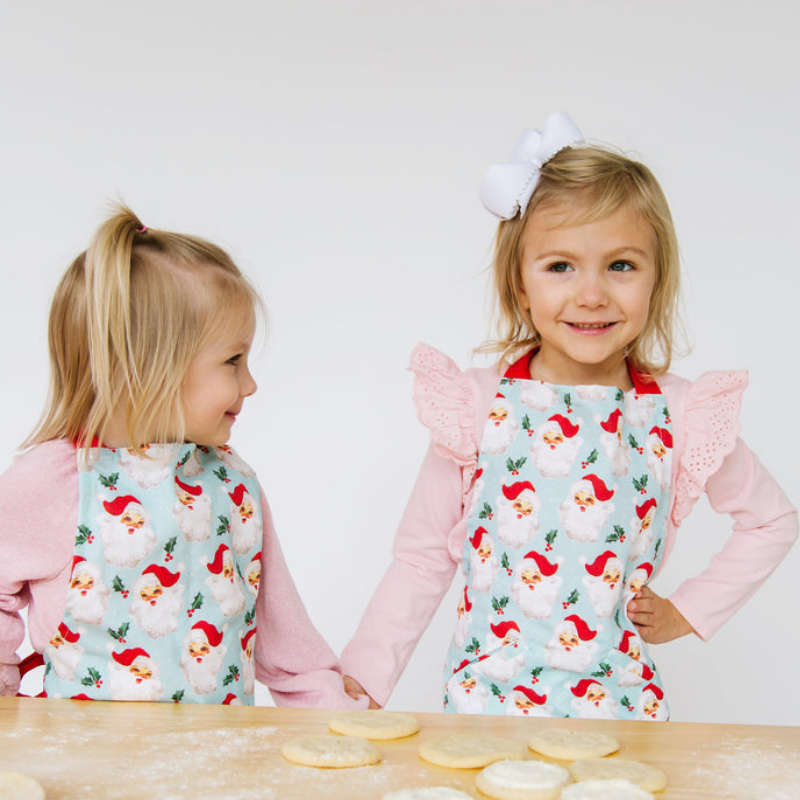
[374, 724]
[643, 775]
[468, 751]
[522, 780]
[16, 786]
[336, 752]
[570, 745]
[617, 789]
[428, 793]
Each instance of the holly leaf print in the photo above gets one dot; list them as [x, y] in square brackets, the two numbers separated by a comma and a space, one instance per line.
[619, 396]
[632, 441]
[85, 535]
[618, 535]
[178, 696]
[526, 424]
[184, 458]
[92, 678]
[233, 675]
[571, 600]
[535, 673]
[473, 647]
[496, 690]
[486, 512]
[667, 418]
[515, 466]
[169, 547]
[250, 616]
[118, 586]
[120, 633]
[110, 481]
[604, 671]
[222, 474]
[568, 402]
[627, 703]
[224, 525]
[641, 484]
[499, 605]
[504, 563]
[550, 538]
[197, 604]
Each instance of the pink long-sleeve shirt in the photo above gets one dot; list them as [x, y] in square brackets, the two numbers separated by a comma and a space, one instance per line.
[708, 457]
[38, 519]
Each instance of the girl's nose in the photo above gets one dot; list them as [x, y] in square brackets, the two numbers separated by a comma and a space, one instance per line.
[591, 291]
[248, 384]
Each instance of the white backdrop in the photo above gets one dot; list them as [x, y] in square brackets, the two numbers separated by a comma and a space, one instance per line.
[336, 150]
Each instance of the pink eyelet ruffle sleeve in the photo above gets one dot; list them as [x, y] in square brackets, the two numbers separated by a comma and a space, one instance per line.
[712, 460]
[710, 430]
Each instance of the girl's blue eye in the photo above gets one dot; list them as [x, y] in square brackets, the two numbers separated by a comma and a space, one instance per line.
[234, 359]
[559, 266]
[621, 266]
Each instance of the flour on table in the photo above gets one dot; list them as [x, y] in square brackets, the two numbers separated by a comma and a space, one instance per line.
[615, 789]
[428, 793]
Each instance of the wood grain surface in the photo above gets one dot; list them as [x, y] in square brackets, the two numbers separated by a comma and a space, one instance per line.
[159, 750]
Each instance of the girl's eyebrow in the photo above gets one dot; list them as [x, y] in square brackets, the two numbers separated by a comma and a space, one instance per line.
[567, 254]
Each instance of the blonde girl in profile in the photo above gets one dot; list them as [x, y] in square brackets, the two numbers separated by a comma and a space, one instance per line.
[140, 543]
[558, 478]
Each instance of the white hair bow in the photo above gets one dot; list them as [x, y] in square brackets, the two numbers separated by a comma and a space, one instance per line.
[507, 188]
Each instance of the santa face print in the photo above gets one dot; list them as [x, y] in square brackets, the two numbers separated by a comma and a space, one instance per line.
[588, 290]
[216, 384]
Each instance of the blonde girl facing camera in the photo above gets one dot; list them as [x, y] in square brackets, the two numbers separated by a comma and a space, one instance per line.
[141, 544]
[558, 478]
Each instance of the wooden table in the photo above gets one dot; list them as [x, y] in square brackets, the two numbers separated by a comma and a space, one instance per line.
[160, 750]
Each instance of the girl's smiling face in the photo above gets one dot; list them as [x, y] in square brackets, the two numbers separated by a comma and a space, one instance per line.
[587, 287]
[216, 384]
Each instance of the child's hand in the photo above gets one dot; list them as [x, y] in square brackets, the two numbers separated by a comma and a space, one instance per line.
[355, 689]
[656, 619]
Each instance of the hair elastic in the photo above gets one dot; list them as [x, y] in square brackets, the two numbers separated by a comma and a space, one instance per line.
[507, 188]
[143, 229]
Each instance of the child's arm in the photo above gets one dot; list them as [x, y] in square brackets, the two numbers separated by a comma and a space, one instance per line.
[38, 512]
[765, 528]
[412, 588]
[292, 658]
[656, 618]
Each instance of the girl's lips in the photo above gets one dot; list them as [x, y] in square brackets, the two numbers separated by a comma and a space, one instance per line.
[591, 328]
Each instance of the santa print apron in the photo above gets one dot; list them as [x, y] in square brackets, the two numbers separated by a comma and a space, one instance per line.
[162, 594]
[567, 520]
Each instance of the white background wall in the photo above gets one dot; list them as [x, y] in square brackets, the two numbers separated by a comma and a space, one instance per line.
[336, 150]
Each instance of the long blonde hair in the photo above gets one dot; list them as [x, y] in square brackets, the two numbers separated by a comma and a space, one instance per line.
[126, 319]
[590, 183]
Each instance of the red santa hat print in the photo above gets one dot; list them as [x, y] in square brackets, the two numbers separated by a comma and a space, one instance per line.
[116, 506]
[611, 425]
[530, 694]
[467, 601]
[67, 635]
[247, 637]
[237, 495]
[599, 489]
[217, 564]
[598, 566]
[567, 428]
[585, 633]
[127, 657]
[212, 635]
[162, 575]
[516, 489]
[545, 567]
[477, 537]
[502, 629]
[195, 491]
[641, 511]
[663, 434]
[580, 689]
[658, 693]
[646, 568]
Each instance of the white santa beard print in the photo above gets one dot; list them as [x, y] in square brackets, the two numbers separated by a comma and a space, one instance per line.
[91, 607]
[640, 540]
[124, 685]
[604, 709]
[618, 452]
[463, 624]
[245, 532]
[631, 675]
[555, 463]
[482, 572]
[152, 470]
[602, 595]
[513, 710]
[538, 395]
[638, 409]
[230, 459]
[498, 436]
[227, 592]
[64, 659]
[124, 549]
[201, 672]
[514, 529]
[576, 659]
[501, 667]
[158, 619]
[660, 469]
[657, 713]
[469, 701]
[248, 673]
[194, 523]
[584, 526]
[536, 600]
